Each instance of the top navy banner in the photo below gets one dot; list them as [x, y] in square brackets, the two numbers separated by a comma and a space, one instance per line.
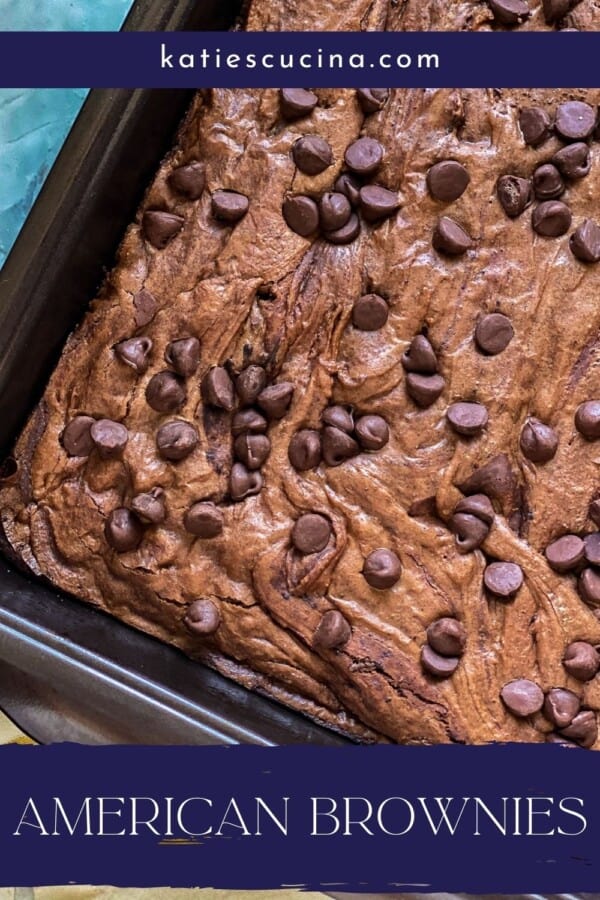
[325, 59]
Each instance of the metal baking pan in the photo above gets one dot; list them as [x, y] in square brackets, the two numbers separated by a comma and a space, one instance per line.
[67, 671]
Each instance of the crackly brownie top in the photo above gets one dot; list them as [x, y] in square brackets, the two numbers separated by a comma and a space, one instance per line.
[335, 416]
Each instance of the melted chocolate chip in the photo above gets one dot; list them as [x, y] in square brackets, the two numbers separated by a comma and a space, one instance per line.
[349, 186]
[594, 511]
[547, 182]
[509, 12]
[311, 533]
[588, 587]
[493, 333]
[372, 432]
[476, 505]
[217, 389]
[165, 392]
[312, 154]
[382, 569]
[203, 519]
[134, 353]
[583, 728]
[538, 442]
[447, 637]
[305, 450]
[420, 356]
[347, 233]
[587, 420]
[150, 507]
[110, 438]
[495, 479]
[585, 242]
[470, 531]
[370, 313]
[575, 120]
[337, 446]
[372, 99]
[591, 544]
[565, 553]
[514, 194]
[334, 210]
[332, 631]
[275, 399]
[436, 664]
[551, 218]
[467, 418]
[447, 180]
[248, 420]
[250, 383]
[561, 706]
[252, 449]
[339, 417]
[296, 102]
[377, 202]
[202, 617]
[176, 440]
[188, 180]
[503, 579]
[145, 306]
[522, 697]
[573, 160]
[364, 156]
[243, 483]
[450, 238]
[229, 206]
[301, 214]
[123, 530]
[581, 660]
[535, 125]
[424, 389]
[557, 9]
[160, 227]
[183, 355]
[76, 438]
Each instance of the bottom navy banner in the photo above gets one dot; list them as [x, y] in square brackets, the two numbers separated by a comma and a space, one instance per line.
[514, 818]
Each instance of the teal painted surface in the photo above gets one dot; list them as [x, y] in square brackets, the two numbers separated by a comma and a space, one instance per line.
[34, 123]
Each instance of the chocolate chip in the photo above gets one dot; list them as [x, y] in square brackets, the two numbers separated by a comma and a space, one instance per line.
[588, 587]
[229, 206]
[382, 569]
[134, 352]
[339, 417]
[561, 706]
[435, 664]
[203, 519]
[522, 697]
[110, 438]
[334, 210]
[250, 383]
[450, 238]
[217, 389]
[424, 389]
[503, 579]
[565, 553]
[364, 156]
[493, 333]
[575, 120]
[585, 242]
[587, 420]
[372, 99]
[202, 617]
[349, 186]
[447, 180]
[332, 631]
[372, 432]
[243, 483]
[447, 637]
[275, 399]
[248, 420]
[583, 728]
[76, 438]
[547, 182]
[509, 12]
[183, 355]
[301, 214]
[296, 102]
[165, 392]
[535, 125]
[573, 160]
[188, 180]
[467, 418]
[514, 194]
[495, 479]
[370, 312]
[311, 533]
[476, 505]
[312, 154]
[592, 548]
[346, 234]
[145, 306]
[176, 440]
[304, 451]
[581, 660]
[556, 9]
[553, 738]
[470, 531]
[160, 227]
[123, 530]
[377, 202]
[538, 442]
[551, 218]
[420, 356]
[150, 507]
[252, 449]
[594, 511]
[337, 446]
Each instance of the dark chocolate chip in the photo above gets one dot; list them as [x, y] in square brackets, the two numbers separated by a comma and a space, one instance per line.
[573, 160]
[183, 355]
[160, 227]
[346, 234]
[588, 587]
[594, 511]
[372, 432]
[436, 664]
[334, 210]
[229, 206]
[248, 420]
[561, 706]
[551, 218]
[547, 182]
[349, 186]
[311, 533]
[275, 399]
[203, 519]
[332, 631]
[592, 548]
[377, 202]
[476, 505]
[110, 438]
[522, 697]
[535, 125]
[150, 507]
[165, 392]
[188, 180]
[447, 636]
[587, 420]
[364, 156]
[202, 617]
[581, 660]
[583, 728]
[424, 389]
[585, 242]
[470, 531]
[565, 553]
[495, 479]
[304, 451]
[509, 12]
[538, 442]
[312, 154]
[301, 214]
[243, 483]
[553, 738]
[135, 352]
[123, 530]
[493, 333]
[382, 569]
[556, 9]
[575, 120]
[467, 418]
[372, 99]
[514, 194]
[145, 306]
[252, 449]
[339, 417]
[250, 383]
[217, 389]
[420, 356]
[450, 238]
[503, 579]
[176, 440]
[337, 446]
[76, 438]
[370, 312]
[296, 102]
[447, 180]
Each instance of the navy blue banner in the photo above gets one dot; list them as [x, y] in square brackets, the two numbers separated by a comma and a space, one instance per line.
[330, 59]
[518, 818]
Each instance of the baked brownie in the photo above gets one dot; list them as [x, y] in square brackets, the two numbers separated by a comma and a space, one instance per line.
[331, 424]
